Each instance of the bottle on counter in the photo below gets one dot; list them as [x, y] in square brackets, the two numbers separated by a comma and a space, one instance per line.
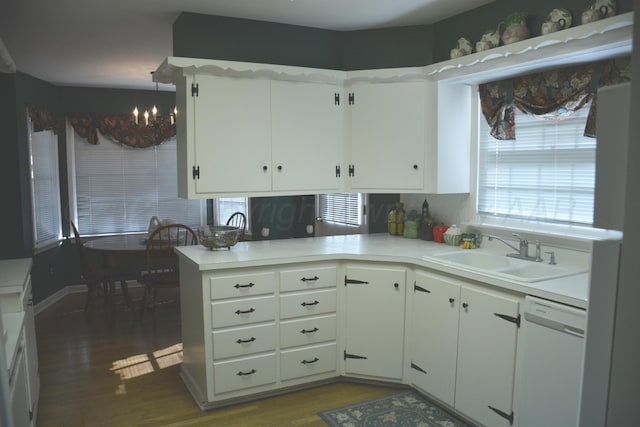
[400, 223]
[392, 221]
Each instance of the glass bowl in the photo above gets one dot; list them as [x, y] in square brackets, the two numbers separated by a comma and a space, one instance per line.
[218, 236]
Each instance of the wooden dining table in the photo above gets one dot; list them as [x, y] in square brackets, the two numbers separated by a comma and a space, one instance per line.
[124, 256]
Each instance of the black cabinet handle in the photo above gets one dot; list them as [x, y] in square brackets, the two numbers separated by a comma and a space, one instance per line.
[265, 168]
[452, 300]
[415, 167]
[306, 304]
[279, 168]
[309, 279]
[395, 285]
[314, 360]
[251, 310]
[251, 372]
[248, 285]
[239, 341]
[309, 331]
[465, 305]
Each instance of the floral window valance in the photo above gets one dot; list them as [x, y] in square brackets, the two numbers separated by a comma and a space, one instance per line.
[550, 94]
[117, 127]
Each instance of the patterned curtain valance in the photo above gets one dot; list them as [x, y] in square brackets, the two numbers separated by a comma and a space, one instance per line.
[44, 119]
[117, 127]
[121, 128]
[550, 94]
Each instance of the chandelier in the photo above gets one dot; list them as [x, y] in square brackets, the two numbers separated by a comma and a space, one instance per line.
[152, 116]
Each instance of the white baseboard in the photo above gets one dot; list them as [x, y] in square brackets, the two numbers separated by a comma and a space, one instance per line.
[67, 290]
[54, 298]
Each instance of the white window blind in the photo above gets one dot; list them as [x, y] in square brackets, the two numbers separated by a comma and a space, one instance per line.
[547, 174]
[227, 206]
[45, 187]
[119, 189]
[341, 208]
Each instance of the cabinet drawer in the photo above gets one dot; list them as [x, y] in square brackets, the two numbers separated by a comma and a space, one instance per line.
[240, 285]
[307, 278]
[249, 372]
[243, 341]
[307, 303]
[307, 331]
[242, 311]
[308, 361]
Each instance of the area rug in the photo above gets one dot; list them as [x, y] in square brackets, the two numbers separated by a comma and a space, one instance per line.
[406, 409]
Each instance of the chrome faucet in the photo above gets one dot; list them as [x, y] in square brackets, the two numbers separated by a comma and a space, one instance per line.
[523, 250]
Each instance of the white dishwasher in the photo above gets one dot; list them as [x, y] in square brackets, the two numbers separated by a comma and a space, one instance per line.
[552, 364]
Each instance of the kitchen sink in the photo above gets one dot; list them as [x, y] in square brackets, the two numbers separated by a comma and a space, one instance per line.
[501, 265]
[475, 259]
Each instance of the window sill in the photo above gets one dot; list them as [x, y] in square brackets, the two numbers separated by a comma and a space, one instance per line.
[561, 235]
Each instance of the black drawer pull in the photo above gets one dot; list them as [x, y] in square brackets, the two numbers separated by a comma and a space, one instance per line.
[309, 331]
[248, 285]
[306, 304]
[309, 279]
[241, 374]
[306, 362]
[251, 310]
[239, 341]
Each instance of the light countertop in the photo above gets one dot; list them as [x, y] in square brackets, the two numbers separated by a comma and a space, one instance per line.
[13, 274]
[572, 290]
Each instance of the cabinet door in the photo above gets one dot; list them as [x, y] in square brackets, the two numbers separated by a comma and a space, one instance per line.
[31, 349]
[19, 392]
[232, 135]
[307, 136]
[388, 136]
[434, 335]
[375, 321]
[486, 356]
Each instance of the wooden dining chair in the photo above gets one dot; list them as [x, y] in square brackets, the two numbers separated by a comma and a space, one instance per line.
[95, 278]
[162, 263]
[238, 219]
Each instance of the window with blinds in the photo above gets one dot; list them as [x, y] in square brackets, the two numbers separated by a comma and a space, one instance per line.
[118, 189]
[547, 174]
[341, 208]
[45, 187]
[226, 206]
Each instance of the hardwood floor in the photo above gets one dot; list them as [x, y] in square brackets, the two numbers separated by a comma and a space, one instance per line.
[93, 375]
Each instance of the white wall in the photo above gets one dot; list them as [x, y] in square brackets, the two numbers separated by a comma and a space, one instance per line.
[624, 389]
[446, 208]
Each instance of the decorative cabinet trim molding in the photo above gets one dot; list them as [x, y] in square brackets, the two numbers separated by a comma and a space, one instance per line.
[173, 68]
[589, 42]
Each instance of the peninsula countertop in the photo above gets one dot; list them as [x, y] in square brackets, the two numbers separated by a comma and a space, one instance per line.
[572, 290]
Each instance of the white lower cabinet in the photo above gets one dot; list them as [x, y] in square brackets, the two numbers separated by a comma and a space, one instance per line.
[16, 297]
[244, 373]
[434, 334]
[307, 361]
[464, 340]
[374, 320]
[260, 330]
[487, 342]
[257, 330]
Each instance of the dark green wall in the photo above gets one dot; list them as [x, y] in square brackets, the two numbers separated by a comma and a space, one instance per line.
[206, 36]
[217, 37]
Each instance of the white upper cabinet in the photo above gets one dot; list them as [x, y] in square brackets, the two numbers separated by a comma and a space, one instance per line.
[387, 140]
[231, 135]
[307, 136]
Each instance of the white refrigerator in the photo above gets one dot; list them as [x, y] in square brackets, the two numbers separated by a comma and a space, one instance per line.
[611, 175]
